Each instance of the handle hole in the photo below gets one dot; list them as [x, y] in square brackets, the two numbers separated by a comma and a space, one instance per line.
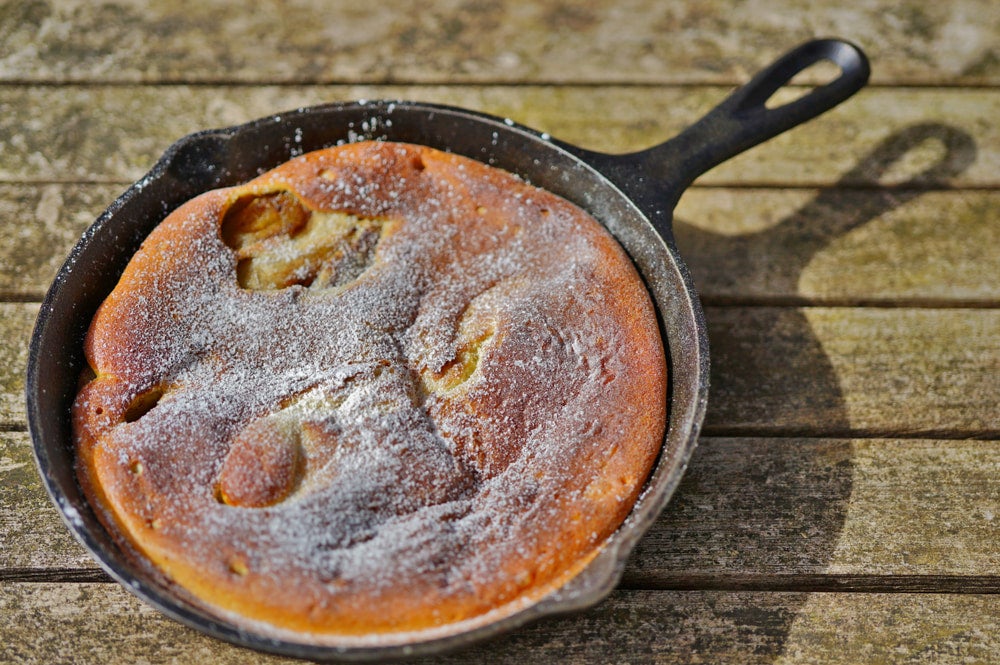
[909, 167]
[817, 75]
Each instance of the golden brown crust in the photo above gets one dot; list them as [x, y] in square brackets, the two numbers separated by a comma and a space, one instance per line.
[379, 391]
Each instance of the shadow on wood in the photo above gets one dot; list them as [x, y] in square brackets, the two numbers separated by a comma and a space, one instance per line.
[770, 375]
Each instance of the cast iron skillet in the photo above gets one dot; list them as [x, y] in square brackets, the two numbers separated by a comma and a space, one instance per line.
[632, 194]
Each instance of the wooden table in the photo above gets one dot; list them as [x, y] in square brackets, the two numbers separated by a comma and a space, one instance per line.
[844, 502]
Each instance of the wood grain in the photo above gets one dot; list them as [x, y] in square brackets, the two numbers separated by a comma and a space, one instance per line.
[842, 246]
[110, 626]
[32, 536]
[854, 371]
[788, 371]
[775, 512]
[643, 41]
[914, 137]
[41, 223]
[16, 323]
[839, 245]
[758, 513]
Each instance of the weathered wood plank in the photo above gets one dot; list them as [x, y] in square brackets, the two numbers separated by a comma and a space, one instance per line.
[16, 323]
[883, 136]
[776, 508]
[110, 626]
[743, 245]
[31, 534]
[757, 512]
[41, 223]
[835, 371]
[100, 623]
[910, 41]
[841, 245]
[811, 371]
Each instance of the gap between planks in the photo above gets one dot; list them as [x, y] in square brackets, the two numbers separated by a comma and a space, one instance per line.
[817, 583]
[857, 303]
[746, 185]
[780, 433]
[778, 583]
[850, 433]
[449, 81]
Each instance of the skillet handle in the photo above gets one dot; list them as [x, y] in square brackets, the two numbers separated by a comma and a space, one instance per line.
[741, 121]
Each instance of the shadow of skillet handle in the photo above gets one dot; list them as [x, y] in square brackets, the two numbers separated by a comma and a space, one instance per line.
[751, 261]
[769, 372]
[771, 375]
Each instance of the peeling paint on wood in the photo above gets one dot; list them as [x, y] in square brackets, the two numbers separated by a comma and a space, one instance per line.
[826, 507]
[40, 224]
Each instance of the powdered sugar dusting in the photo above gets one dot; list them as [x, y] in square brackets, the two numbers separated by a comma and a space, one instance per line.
[466, 419]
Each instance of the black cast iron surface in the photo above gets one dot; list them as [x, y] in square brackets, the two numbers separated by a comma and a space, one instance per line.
[633, 195]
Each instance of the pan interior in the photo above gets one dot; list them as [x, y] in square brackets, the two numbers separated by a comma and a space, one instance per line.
[225, 157]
